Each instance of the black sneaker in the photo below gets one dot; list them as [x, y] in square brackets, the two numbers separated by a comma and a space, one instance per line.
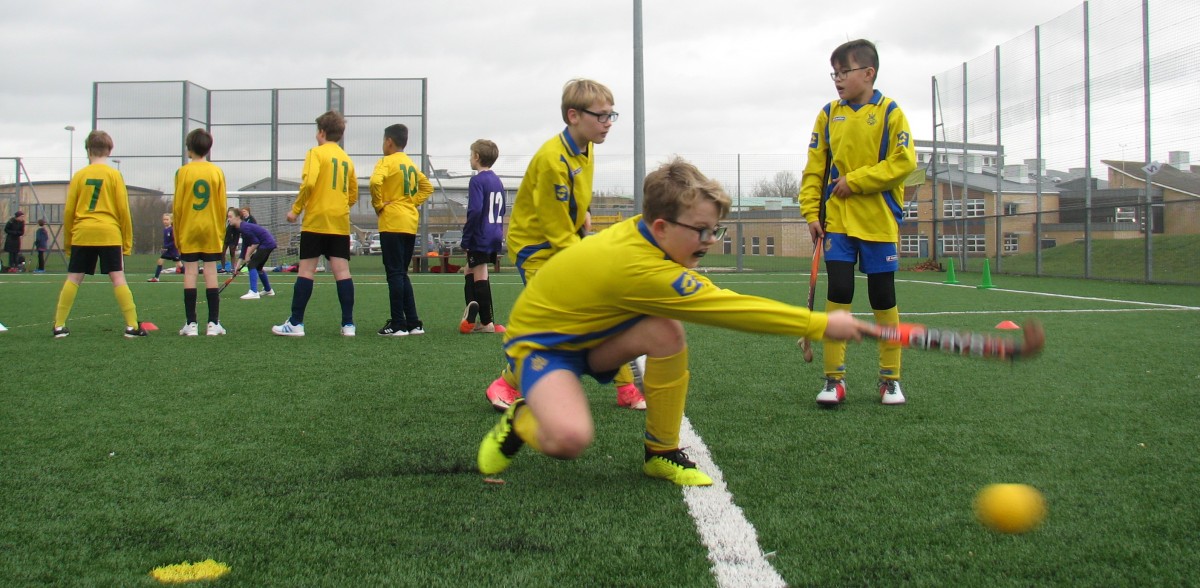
[135, 332]
[60, 332]
[390, 329]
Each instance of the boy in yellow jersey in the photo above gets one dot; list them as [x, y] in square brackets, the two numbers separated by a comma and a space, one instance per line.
[98, 228]
[620, 294]
[852, 194]
[328, 189]
[397, 188]
[200, 230]
[552, 203]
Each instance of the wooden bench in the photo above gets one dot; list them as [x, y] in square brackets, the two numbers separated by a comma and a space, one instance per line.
[426, 263]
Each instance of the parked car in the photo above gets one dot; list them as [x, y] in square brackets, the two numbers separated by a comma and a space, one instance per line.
[373, 245]
[452, 241]
[355, 247]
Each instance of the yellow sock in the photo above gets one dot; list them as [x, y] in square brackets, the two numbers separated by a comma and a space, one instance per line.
[624, 376]
[835, 351]
[526, 427]
[665, 386]
[128, 308]
[66, 299]
[889, 353]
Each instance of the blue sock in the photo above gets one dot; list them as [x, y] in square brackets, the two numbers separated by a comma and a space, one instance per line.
[254, 281]
[266, 284]
[300, 296]
[345, 290]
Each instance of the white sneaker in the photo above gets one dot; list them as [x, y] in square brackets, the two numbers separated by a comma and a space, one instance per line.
[189, 330]
[833, 393]
[889, 392]
[416, 331]
[348, 330]
[251, 295]
[270, 292]
[214, 329]
[287, 329]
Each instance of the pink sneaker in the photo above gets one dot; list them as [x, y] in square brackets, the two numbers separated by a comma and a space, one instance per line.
[628, 396]
[501, 395]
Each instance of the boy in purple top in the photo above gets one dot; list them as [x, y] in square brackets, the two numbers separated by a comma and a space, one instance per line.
[483, 234]
[257, 244]
[169, 251]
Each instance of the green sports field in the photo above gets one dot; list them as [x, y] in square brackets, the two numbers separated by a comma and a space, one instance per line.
[329, 461]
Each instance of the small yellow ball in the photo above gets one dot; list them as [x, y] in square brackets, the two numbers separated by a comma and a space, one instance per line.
[1010, 508]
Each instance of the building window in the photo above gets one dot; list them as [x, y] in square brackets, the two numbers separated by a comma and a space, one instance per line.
[950, 243]
[1010, 242]
[976, 244]
[975, 208]
[753, 245]
[771, 246]
[53, 213]
[910, 244]
[727, 245]
[1126, 214]
[910, 211]
[952, 209]
[1010, 208]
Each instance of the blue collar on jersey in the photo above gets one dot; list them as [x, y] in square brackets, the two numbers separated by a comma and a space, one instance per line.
[644, 229]
[566, 137]
[876, 96]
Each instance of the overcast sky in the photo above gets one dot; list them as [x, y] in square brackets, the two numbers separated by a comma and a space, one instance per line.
[720, 77]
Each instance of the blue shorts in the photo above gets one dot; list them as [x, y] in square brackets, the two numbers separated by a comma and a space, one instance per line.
[872, 257]
[539, 362]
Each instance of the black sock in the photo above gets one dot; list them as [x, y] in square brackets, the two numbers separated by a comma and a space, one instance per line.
[189, 305]
[469, 296]
[483, 295]
[214, 304]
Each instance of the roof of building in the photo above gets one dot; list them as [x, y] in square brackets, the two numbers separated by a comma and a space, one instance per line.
[1187, 182]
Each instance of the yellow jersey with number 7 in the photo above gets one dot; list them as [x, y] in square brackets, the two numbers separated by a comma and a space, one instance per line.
[97, 210]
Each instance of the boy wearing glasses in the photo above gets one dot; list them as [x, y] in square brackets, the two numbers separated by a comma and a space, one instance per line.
[620, 294]
[852, 193]
[551, 206]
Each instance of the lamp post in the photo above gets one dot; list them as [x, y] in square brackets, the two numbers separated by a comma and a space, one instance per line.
[70, 151]
[118, 162]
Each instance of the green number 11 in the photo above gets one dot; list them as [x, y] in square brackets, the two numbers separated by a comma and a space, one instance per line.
[345, 173]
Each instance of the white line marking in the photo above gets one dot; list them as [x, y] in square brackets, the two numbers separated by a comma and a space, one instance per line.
[1068, 296]
[731, 540]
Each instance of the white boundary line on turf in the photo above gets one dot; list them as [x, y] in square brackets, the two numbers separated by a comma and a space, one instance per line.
[731, 540]
[1067, 296]
[1050, 311]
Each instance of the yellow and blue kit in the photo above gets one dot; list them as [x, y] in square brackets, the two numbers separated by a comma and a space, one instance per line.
[200, 208]
[871, 145]
[552, 202]
[397, 188]
[328, 189]
[629, 277]
[97, 210]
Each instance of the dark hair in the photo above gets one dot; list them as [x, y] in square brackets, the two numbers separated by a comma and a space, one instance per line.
[334, 125]
[398, 134]
[862, 51]
[199, 141]
[487, 151]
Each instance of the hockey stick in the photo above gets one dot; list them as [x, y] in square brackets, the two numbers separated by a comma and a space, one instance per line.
[229, 280]
[805, 344]
[965, 343]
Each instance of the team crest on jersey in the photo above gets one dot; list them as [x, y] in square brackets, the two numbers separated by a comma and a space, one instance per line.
[871, 119]
[538, 363]
[686, 284]
[813, 142]
[561, 193]
[902, 139]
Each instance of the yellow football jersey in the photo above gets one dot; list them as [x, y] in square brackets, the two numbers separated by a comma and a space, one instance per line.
[872, 147]
[397, 188]
[328, 188]
[552, 201]
[609, 281]
[199, 208]
[97, 210]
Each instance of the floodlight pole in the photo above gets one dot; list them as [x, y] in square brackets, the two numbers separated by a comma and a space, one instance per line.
[70, 151]
[639, 111]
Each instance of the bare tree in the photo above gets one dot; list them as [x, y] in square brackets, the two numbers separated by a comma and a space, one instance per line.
[784, 185]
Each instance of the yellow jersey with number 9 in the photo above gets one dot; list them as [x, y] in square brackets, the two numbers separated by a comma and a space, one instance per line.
[97, 210]
[199, 208]
[328, 189]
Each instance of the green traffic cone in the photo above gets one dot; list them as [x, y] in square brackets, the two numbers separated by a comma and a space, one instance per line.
[950, 278]
[987, 275]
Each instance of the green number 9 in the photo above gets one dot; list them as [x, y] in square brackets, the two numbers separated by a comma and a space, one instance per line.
[202, 193]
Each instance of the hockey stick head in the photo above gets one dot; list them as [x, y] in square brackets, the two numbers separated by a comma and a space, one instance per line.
[1034, 339]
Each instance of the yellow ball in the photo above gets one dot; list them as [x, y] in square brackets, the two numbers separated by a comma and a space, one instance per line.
[1010, 508]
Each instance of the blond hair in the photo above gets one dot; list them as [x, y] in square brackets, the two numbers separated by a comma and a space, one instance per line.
[677, 186]
[580, 94]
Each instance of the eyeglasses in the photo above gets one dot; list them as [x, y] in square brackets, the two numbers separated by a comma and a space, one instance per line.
[841, 75]
[602, 117]
[706, 234]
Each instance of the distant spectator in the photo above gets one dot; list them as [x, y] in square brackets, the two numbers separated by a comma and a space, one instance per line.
[14, 229]
[41, 242]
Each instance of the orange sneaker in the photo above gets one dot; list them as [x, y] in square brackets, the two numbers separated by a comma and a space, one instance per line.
[501, 395]
[466, 328]
[489, 328]
[628, 396]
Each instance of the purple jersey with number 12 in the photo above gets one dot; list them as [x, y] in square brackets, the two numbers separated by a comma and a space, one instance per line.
[484, 229]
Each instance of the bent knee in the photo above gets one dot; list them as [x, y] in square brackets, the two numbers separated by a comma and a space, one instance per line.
[568, 443]
[666, 336]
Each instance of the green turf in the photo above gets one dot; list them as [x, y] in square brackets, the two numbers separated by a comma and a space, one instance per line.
[334, 461]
